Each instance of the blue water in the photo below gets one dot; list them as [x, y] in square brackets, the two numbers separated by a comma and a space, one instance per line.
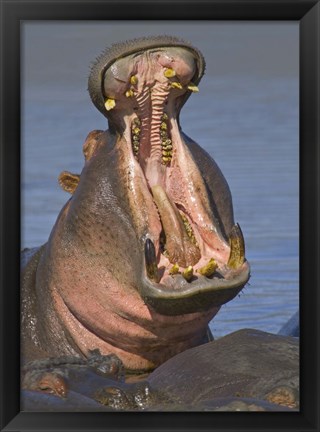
[245, 116]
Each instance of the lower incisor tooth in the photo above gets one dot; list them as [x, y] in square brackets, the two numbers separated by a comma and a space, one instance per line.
[174, 269]
[188, 273]
[208, 269]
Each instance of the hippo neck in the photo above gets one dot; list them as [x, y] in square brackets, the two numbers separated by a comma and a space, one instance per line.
[117, 331]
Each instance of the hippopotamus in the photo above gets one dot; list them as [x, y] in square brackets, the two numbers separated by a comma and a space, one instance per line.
[146, 250]
[248, 370]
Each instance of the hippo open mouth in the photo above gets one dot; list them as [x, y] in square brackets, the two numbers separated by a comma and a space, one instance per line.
[192, 248]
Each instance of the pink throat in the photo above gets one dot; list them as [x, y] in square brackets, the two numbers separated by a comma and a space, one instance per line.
[142, 338]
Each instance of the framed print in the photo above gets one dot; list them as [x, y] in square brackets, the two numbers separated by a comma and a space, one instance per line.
[159, 174]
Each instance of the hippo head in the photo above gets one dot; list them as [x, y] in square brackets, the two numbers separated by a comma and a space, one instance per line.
[192, 253]
[146, 250]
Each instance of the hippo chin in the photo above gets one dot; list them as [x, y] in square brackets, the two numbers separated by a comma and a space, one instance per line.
[146, 250]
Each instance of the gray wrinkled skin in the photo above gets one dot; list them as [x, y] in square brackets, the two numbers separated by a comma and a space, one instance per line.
[246, 364]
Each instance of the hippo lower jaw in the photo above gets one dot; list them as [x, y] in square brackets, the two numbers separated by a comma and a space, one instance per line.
[201, 294]
[189, 265]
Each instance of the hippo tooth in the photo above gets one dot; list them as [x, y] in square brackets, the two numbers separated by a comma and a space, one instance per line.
[188, 273]
[151, 260]
[209, 268]
[110, 104]
[237, 247]
[169, 73]
[137, 121]
[176, 85]
[174, 269]
[188, 227]
[133, 79]
[192, 87]
[129, 93]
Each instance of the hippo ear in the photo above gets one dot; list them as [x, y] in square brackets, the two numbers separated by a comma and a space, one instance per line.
[126, 48]
[68, 181]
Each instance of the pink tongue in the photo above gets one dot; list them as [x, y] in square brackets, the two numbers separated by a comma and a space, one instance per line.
[179, 247]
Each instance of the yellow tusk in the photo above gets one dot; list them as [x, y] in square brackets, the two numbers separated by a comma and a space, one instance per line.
[174, 269]
[209, 268]
[110, 104]
[237, 247]
[169, 73]
[166, 159]
[133, 79]
[192, 87]
[176, 85]
[188, 273]
[129, 93]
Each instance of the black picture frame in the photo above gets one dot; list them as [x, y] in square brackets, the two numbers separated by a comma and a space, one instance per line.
[307, 12]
